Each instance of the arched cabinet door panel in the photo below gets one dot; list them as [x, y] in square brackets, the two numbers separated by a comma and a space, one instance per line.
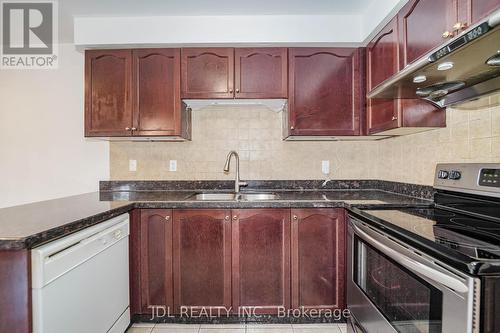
[261, 259]
[202, 258]
[325, 91]
[156, 259]
[261, 72]
[157, 101]
[108, 107]
[318, 258]
[207, 73]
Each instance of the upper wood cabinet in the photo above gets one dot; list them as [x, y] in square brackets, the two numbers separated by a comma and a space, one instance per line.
[390, 116]
[382, 61]
[478, 9]
[134, 93]
[261, 73]
[325, 92]
[156, 259]
[108, 106]
[318, 258]
[202, 258]
[157, 100]
[261, 259]
[234, 73]
[207, 73]
[424, 25]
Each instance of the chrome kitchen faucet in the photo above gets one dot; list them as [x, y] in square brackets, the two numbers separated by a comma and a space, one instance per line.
[237, 181]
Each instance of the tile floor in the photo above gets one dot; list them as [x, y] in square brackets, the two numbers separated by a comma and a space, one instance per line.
[238, 328]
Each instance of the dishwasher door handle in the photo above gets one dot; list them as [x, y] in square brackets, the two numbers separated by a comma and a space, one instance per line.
[422, 269]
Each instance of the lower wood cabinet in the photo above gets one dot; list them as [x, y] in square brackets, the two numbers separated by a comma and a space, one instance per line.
[156, 259]
[261, 259]
[202, 258]
[255, 261]
[318, 258]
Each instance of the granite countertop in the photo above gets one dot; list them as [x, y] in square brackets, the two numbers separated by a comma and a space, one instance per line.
[30, 225]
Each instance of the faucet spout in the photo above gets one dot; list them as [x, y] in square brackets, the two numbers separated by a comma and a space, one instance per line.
[237, 181]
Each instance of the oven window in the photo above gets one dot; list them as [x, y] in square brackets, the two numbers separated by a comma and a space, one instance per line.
[408, 302]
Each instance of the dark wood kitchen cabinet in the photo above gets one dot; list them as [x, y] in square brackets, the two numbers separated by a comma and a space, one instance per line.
[134, 93]
[234, 73]
[424, 25]
[156, 283]
[156, 96]
[261, 259]
[207, 73]
[476, 9]
[318, 258]
[261, 72]
[393, 116]
[202, 258]
[108, 104]
[325, 92]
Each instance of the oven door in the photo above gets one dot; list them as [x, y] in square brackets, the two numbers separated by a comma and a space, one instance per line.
[392, 288]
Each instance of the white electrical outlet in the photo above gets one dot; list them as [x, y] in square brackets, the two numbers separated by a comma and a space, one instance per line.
[132, 165]
[173, 165]
[325, 167]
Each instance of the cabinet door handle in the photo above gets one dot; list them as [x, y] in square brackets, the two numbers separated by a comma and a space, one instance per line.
[459, 26]
[167, 218]
[295, 217]
[227, 218]
[237, 91]
[235, 217]
[134, 129]
[127, 128]
[292, 127]
[447, 34]
[231, 91]
[394, 118]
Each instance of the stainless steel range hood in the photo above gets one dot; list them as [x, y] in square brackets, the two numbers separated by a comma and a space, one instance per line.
[465, 68]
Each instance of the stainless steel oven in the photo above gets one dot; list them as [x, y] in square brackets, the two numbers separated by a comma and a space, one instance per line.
[392, 287]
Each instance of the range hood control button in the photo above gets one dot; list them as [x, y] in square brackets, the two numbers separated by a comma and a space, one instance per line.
[455, 175]
[443, 174]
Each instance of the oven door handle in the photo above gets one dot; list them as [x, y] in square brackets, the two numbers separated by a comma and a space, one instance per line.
[413, 265]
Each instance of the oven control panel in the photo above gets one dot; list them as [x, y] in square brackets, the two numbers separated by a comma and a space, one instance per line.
[474, 178]
[489, 177]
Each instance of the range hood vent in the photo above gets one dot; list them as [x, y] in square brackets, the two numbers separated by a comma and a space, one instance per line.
[464, 69]
[276, 105]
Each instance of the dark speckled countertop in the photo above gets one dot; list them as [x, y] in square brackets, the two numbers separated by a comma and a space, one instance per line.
[27, 226]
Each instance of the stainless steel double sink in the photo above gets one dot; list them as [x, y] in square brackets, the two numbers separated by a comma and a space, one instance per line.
[235, 196]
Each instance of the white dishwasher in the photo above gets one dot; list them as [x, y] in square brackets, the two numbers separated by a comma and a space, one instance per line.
[80, 282]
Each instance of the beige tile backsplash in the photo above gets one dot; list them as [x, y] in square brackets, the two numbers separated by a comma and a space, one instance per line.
[255, 132]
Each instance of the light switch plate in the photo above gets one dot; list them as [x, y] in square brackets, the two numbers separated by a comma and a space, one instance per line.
[132, 165]
[325, 167]
[173, 165]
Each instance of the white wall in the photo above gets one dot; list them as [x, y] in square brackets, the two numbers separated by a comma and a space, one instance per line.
[213, 30]
[42, 149]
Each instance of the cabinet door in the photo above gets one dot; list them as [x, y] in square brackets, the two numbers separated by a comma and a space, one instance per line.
[318, 258]
[382, 57]
[108, 76]
[479, 9]
[157, 100]
[156, 259]
[261, 259]
[422, 24]
[324, 91]
[202, 258]
[261, 73]
[207, 73]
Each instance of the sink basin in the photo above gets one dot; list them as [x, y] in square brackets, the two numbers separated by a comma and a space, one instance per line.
[258, 196]
[234, 196]
[215, 196]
